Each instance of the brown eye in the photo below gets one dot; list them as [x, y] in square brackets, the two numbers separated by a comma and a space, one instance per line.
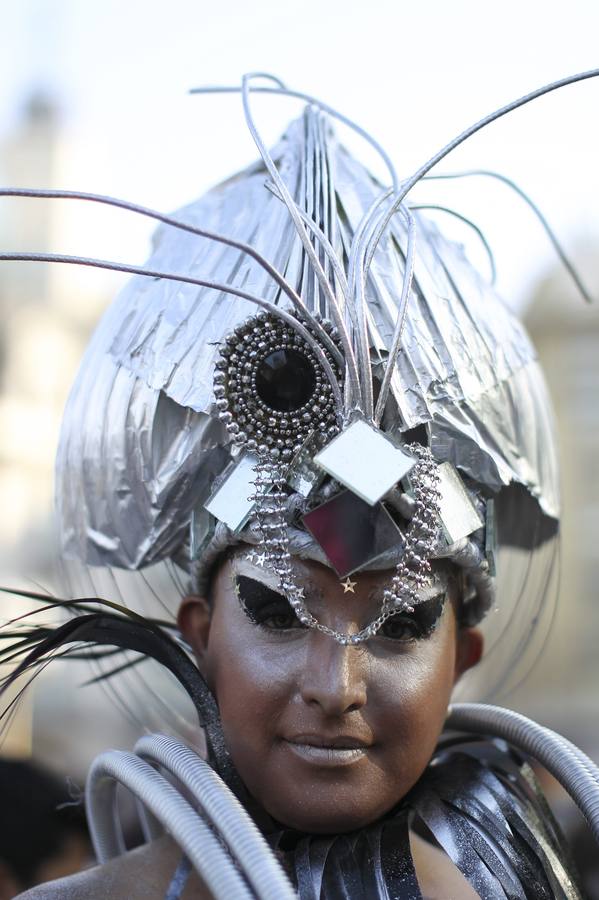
[281, 621]
[400, 628]
[264, 606]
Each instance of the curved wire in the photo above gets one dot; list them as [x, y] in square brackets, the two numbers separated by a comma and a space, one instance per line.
[314, 101]
[76, 604]
[352, 267]
[110, 690]
[192, 229]
[401, 318]
[409, 183]
[357, 277]
[554, 565]
[362, 257]
[471, 224]
[563, 258]
[328, 248]
[358, 237]
[188, 279]
[351, 366]
[10, 710]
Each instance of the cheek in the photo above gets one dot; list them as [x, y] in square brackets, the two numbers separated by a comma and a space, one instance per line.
[253, 683]
[257, 686]
[409, 697]
[416, 684]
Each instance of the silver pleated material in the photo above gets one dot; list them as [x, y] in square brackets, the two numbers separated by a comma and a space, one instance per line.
[140, 440]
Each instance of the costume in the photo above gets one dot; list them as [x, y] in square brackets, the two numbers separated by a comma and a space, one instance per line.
[302, 319]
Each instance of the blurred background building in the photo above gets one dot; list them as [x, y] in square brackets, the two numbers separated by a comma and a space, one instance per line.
[563, 687]
[43, 331]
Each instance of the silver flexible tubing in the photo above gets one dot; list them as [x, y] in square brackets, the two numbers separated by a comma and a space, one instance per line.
[574, 770]
[223, 811]
[246, 850]
[203, 849]
[149, 824]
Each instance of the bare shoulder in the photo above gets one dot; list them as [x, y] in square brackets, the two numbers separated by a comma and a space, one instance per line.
[437, 876]
[145, 872]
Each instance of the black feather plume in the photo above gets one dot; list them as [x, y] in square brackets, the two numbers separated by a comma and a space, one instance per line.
[37, 645]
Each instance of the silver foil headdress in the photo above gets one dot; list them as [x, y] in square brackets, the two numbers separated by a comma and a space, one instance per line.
[396, 337]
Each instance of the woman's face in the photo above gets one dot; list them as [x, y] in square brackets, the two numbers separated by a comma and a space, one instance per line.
[327, 738]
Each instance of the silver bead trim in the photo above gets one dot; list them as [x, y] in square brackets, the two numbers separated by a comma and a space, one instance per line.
[246, 416]
[413, 572]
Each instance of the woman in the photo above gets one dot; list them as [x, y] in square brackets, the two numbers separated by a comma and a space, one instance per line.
[350, 477]
[326, 740]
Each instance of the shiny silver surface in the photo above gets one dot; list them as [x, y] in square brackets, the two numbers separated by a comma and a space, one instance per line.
[140, 443]
[364, 460]
[231, 502]
[458, 514]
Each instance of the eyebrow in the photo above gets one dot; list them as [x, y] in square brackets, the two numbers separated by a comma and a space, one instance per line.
[436, 589]
[244, 568]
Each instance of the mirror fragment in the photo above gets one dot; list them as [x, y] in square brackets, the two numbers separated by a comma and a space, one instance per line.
[230, 501]
[364, 460]
[352, 533]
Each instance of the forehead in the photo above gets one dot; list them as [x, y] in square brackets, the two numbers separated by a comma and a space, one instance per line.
[320, 582]
[315, 578]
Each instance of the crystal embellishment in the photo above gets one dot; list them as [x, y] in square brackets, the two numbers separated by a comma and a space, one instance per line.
[285, 380]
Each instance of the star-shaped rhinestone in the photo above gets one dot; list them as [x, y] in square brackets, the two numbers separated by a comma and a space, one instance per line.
[260, 559]
[348, 585]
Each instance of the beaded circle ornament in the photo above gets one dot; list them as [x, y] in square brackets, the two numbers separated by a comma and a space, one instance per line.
[271, 391]
[272, 395]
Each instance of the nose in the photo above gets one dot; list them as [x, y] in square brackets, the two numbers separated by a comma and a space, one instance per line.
[334, 676]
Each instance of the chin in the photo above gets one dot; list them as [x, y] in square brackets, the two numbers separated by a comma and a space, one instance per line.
[319, 813]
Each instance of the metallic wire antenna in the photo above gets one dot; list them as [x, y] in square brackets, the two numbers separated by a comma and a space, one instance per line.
[320, 264]
[307, 381]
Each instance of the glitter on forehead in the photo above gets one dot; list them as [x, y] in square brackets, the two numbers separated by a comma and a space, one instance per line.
[248, 562]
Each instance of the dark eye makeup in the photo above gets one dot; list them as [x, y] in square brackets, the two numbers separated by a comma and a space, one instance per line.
[265, 606]
[270, 610]
[416, 625]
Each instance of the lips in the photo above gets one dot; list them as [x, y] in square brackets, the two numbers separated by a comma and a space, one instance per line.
[337, 742]
[328, 750]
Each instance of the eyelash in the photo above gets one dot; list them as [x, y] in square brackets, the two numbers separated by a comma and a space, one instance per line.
[289, 620]
[415, 630]
[277, 616]
[419, 629]
[265, 613]
[411, 630]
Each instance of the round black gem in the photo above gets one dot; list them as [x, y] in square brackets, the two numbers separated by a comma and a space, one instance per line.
[285, 380]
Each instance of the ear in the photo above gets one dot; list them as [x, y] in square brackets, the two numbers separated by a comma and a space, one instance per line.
[470, 645]
[193, 619]
[9, 886]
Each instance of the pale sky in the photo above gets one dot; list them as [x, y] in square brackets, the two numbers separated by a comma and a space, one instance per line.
[414, 74]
